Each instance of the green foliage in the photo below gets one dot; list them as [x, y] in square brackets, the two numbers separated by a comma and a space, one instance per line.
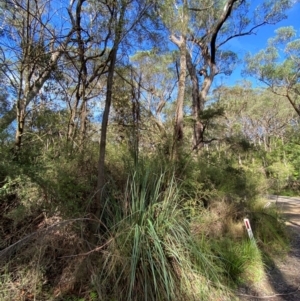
[169, 229]
[242, 260]
[150, 253]
[230, 179]
[278, 69]
[148, 248]
[279, 173]
[282, 165]
[40, 182]
[269, 229]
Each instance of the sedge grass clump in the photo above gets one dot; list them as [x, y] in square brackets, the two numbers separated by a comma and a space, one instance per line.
[149, 254]
[233, 257]
[241, 260]
[269, 229]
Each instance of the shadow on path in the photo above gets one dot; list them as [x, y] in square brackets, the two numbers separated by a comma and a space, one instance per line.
[283, 275]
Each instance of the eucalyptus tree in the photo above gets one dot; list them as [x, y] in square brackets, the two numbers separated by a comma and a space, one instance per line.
[143, 88]
[220, 23]
[205, 31]
[88, 56]
[278, 65]
[175, 17]
[33, 41]
[254, 115]
[124, 17]
[158, 81]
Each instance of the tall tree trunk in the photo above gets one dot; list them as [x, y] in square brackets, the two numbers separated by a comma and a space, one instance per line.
[197, 105]
[83, 123]
[20, 124]
[81, 81]
[178, 126]
[71, 124]
[135, 111]
[102, 150]
[97, 205]
[118, 25]
[208, 49]
[20, 110]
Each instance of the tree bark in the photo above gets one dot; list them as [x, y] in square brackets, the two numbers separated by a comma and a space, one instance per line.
[109, 89]
[178, 126]
[197, 104]
[102, 150]
[209, 71]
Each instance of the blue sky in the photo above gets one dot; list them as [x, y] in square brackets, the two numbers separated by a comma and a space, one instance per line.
[254, 43]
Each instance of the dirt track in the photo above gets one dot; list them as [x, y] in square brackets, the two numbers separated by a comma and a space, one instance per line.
[290, 207]
[283, 280]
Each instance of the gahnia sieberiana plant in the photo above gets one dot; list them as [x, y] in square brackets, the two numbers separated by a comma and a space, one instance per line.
[150, 253]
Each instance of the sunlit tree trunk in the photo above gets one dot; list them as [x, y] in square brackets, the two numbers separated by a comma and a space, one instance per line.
[178, 126]
[104, 125]
[108, 99]
[118, 23]
[197, 103]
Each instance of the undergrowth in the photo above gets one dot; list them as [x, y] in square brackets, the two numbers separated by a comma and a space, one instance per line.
[166, 232]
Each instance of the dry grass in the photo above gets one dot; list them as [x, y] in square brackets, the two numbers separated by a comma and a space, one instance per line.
[218, 221]
[43, 265]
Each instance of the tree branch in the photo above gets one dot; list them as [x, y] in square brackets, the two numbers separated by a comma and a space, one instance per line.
[226, 13]
[242, 34]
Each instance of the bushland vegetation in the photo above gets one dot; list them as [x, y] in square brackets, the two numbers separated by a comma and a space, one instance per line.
[125, 174]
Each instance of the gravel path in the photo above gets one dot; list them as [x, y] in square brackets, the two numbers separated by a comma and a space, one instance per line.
[283, 280]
